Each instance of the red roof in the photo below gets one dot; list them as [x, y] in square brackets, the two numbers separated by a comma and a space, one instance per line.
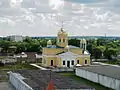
[50, 86]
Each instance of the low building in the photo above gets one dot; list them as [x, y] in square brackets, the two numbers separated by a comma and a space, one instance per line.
[108, 76]
[21, 55]
[39, 80]
[29, 57]
[7, 61]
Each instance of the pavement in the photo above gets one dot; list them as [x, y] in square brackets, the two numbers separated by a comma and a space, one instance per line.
[35, 65]
[6, 86]
[99, 63]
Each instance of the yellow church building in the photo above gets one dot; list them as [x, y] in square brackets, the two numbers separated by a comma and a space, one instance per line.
[64, 55]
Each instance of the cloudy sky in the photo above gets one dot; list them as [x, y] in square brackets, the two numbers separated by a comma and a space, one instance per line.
[45, 17]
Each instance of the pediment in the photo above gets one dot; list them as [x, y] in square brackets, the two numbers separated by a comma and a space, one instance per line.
[68, 54]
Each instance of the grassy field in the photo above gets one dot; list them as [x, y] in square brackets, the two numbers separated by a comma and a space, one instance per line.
[81, 80]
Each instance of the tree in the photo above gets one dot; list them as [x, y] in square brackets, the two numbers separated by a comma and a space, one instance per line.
[97, 53]
[12, 49]
[74, 42]
[91, 46]
[102, 49]
[109, 52]
[101, 42]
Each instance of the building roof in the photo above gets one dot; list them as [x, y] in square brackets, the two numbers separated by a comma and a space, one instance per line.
[106, 70]
[55, 46]
[70, 46]
[86, 52]
[39, 79]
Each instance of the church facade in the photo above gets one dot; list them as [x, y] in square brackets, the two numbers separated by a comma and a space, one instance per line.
[64, 55]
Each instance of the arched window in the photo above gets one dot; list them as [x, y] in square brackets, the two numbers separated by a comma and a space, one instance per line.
[63, 62]
[44, 61]
[63, 40]
[78, 62]
[72, 62]
[85, 61]
[51, 62]
[59, 40]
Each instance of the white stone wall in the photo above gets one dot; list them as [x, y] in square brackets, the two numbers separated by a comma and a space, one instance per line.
[17, 82]
[101, 79]
[62, 69]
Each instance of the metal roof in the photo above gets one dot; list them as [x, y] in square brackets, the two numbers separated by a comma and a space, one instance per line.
[55, 46]
[106, 70]
[39, 79]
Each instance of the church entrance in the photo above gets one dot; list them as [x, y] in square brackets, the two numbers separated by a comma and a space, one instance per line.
[68, 63]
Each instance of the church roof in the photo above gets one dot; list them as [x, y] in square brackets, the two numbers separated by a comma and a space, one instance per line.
[86, 52]
[70, 46]
[55, 46]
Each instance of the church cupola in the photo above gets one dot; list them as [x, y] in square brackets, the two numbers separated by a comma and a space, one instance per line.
[49, 43]
[67, 48]
[83, 43]
[62, 38]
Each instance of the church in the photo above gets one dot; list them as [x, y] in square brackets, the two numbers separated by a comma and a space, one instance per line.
[64, 55]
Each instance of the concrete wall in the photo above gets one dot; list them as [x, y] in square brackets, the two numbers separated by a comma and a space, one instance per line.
[101, 79]
[16, 80]
[62, 69]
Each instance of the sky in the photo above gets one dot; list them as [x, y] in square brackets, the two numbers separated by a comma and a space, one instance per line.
[46, 17]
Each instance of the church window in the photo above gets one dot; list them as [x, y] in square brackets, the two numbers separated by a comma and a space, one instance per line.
[85, 61]
[72, 62]
[51, 62]
[63, 62]
[59, 40]
[63, 40]
[44, 61]
[78, 62]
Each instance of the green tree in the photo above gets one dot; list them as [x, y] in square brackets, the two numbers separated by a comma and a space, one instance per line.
[74, 42]
[12, 50]
[102, 49]
[109, 52]
[97, 53]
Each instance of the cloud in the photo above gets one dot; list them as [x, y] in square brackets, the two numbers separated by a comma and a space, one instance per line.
[45, 17]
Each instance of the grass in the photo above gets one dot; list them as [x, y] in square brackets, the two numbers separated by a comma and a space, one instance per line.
[3, 76]
[17, 67]
[117, 62]
[84, 81]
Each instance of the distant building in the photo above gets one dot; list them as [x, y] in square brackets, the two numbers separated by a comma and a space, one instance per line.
[64, 55]
[40, 79]
[8, 61]
[16, 38]
[28, 56]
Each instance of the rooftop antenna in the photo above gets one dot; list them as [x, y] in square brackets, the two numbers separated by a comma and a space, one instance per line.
[105, 38]
[62, 25]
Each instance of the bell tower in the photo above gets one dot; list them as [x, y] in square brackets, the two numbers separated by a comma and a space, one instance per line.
[83, 44]
[62, 38]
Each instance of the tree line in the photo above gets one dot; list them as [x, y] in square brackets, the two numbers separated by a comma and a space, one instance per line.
[101, 48]
[98, 48]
